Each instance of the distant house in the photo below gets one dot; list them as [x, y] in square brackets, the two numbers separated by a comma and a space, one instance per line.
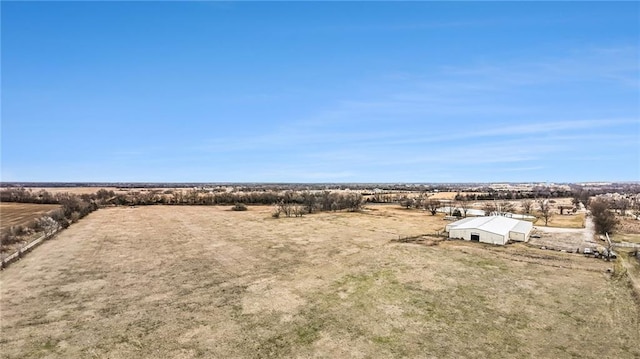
[494, 229]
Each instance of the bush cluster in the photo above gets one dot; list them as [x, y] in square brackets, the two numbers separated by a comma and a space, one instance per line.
[239, 207]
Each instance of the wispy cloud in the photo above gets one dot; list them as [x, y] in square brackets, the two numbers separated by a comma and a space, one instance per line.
[404, 26]
[620, 64]
[550, 127]
[466, 117]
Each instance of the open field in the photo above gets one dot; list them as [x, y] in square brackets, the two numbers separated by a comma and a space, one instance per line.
[12, 214]
[187, 282]
[74, 190]
[444, 195]
[626, 237]
[563, 221]
[628, 230]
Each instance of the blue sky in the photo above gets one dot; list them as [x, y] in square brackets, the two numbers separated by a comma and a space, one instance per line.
[320, 92]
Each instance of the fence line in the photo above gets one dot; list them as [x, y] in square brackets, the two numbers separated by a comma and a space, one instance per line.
[626, 245]
[4, 262]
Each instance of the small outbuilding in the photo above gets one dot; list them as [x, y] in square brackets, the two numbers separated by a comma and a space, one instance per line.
[493, 229]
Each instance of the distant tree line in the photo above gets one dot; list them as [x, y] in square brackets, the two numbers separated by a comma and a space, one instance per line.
[74, 207]
[23, 195]
[536, 193]
[310, 201]
[245, 187]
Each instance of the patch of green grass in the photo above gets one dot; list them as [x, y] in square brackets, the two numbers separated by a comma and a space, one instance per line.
[626, 237]
[49, 345]
[384, 340]
[284, 337]
[309, 333]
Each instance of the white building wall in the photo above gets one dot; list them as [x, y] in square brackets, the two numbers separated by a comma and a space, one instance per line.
[485, 237]
[521, 231]
[459, 234]
[517, 236]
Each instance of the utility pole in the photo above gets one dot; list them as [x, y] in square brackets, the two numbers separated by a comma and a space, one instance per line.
[608, 246]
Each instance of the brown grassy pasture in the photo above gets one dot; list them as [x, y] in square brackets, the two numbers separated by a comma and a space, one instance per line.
[628, 230]
[187, 282]
[74, 190]
[563, 221]
[444, 195]
[626, 237]
[12, 214]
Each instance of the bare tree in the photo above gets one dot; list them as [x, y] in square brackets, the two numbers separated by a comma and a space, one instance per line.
[286, 208]
[545, 210]
[581, 196]
[326, 201]
[636, 207]
[603, 219]
[192, 196]
[177, 197]
[48, 225]
[276, 211]
[464, 207]
[452, 206]
[432, 206]
[489, 208]
[353, 202]
[419, 201]
[526, 205]
[622, 205]
[298, 210]
[310, 201]
[505, 207]
[406, 202]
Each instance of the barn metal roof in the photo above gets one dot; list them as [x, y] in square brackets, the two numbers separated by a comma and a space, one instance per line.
[494, 224]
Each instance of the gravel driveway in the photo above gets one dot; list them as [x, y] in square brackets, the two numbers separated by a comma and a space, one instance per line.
[569, 239]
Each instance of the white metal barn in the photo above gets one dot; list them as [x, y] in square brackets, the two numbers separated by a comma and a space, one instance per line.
[494, 229]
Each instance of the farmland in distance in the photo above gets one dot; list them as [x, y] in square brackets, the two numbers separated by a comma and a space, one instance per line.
[12, 214]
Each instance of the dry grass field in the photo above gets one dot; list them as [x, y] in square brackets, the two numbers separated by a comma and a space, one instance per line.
[626, 237]
[75, 190]
[12, 214]
[563, 221]
[444, 195]
[188, 282]
[628, 230]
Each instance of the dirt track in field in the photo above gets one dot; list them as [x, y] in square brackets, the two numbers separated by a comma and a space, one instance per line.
[187, 282]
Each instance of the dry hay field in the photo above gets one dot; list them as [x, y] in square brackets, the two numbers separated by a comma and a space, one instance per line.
[576, 220]
[12, 214]
[75, 190]
[445, 195]
[188, 282]
[628, 230]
